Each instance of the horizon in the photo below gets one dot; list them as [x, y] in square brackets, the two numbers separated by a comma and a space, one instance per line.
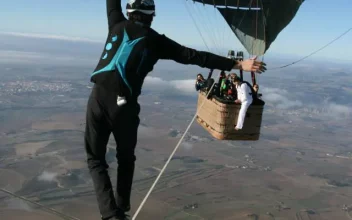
[81, 52]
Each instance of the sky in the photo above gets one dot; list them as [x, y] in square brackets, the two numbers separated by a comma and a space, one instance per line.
[316, 23]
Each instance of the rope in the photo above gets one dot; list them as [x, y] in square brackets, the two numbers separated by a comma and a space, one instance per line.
[200, 33]
[181, 139]
[170, 157]
[314, 51]
[207, 27]
[184, 134]
[53, 211]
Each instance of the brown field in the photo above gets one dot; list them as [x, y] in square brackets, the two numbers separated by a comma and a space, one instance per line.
[26, 149]
[297, 170]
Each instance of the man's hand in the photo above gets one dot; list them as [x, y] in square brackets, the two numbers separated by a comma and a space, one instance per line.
[238, 101]
[251, 65]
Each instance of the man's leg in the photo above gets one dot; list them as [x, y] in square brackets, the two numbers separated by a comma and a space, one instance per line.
[126, 140]
[242, 114]
[96, 138]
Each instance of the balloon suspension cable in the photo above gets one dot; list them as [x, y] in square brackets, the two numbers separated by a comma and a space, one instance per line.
[200, 33]
[50, 210]
[256, 37]
[311, 54]
[171, 155]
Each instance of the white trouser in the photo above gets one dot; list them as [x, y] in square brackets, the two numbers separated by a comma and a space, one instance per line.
[242, 114]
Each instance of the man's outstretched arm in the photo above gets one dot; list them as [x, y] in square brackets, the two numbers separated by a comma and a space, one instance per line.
[114, 12]
[170, 49]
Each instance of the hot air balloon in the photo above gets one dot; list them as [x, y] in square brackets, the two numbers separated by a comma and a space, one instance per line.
[256, 24]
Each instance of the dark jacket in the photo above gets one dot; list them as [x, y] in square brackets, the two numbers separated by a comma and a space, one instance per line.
[131, 51]
[200, 84]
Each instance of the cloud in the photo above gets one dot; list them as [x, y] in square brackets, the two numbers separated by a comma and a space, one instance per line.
[182, 87]
[338, 109]
[19, 56]
[47, 176]
[10, 56]
[280, 98]
[186, 86]
[187, 145]
[329, 110]
[49, 36]
[335, 69]
[277, 97]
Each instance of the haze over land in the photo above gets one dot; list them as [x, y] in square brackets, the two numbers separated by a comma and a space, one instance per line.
[299, 169]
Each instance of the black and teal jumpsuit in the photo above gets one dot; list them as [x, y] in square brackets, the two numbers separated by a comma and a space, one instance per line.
[130, 53]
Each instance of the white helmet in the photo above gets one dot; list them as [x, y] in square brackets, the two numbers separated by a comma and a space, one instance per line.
[143, 6]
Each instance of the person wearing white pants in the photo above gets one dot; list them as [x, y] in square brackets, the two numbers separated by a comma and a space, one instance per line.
[244, 96]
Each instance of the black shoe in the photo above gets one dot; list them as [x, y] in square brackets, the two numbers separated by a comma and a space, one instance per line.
[125, 208]
[122, 216]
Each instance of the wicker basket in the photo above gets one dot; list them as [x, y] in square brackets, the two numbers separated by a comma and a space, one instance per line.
[219, 118]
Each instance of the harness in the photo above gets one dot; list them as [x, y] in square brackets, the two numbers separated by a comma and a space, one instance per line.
[252, 93]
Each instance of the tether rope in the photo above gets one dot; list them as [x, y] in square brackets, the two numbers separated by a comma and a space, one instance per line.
[171, 155]
[52, 211]
[313, 52]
